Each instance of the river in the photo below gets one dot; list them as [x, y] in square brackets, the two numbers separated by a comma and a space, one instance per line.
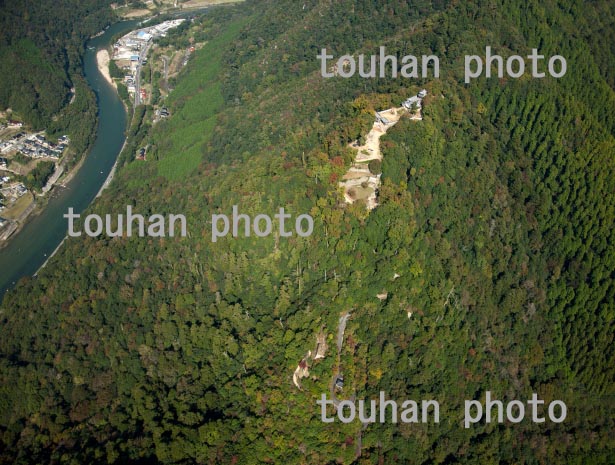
[29, 248]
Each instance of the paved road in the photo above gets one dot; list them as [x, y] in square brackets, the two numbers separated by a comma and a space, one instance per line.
[340, 331]
[166, 72]
[142, 56]
[341, 327]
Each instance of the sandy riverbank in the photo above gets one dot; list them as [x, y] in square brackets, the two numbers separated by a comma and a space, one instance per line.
[102, 61]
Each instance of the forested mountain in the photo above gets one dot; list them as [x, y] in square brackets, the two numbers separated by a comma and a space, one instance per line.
[41, 45]
[493, 243]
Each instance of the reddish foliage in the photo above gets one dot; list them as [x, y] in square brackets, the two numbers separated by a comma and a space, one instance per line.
[337, 161]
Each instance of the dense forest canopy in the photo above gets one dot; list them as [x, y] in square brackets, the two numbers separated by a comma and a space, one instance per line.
[492, 245]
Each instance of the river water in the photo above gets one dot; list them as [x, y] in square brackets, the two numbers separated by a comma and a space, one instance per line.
[30, 247]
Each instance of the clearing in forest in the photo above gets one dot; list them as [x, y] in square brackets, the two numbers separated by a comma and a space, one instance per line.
[359, 183]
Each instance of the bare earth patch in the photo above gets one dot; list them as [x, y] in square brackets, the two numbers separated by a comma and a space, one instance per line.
[358, 183]
[136, 14]
[15, 211]
[202, 3]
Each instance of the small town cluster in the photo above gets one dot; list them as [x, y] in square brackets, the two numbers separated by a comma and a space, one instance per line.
[20, 153]
[33, 146]
[147, 83]
[130, 54]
